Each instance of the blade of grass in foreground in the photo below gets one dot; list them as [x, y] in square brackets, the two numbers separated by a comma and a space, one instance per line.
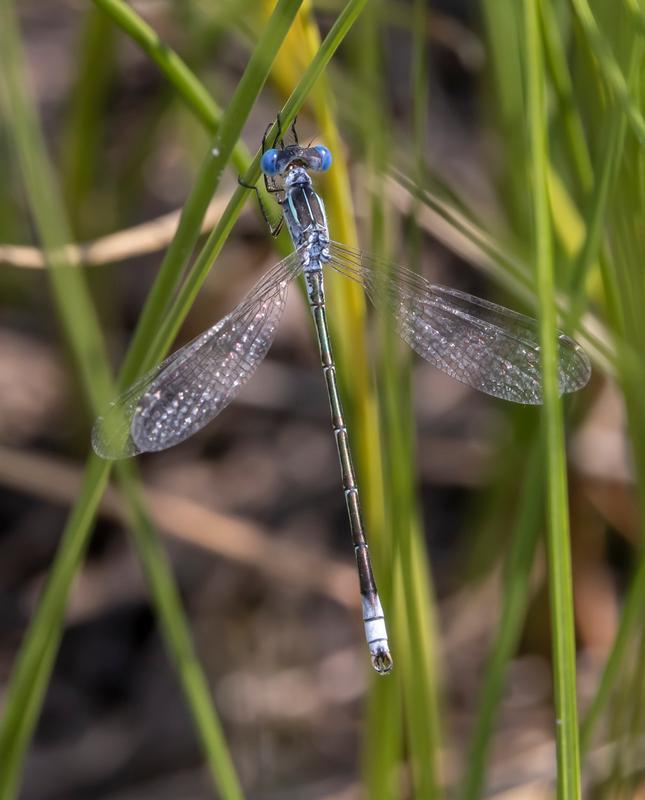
[411, 591]
[381, 776]
[36, 654]
[422, 654]
[558, 545]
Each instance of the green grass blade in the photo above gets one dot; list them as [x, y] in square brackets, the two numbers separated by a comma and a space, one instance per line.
[382, 749]
[382, 741]
[423, 653]
[408, 589]
[381, 775]
[187, 85]
[558, 545]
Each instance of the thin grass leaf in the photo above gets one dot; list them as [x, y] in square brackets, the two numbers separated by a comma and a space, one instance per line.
[381, 752]
[412, 591]
[374, 144]
[558, 545]
[381, 773]
[422, 654]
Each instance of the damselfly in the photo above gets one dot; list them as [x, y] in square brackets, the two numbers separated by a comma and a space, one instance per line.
[482, 344]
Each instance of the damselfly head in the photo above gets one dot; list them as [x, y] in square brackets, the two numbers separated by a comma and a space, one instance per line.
[278, 161]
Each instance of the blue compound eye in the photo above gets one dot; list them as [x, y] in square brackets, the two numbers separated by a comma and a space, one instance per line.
[269, 162]
[325, 157]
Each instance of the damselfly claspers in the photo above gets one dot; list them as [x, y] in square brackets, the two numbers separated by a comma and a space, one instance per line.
[482, 344]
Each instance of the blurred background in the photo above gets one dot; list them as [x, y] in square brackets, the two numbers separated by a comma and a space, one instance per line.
[222, 571]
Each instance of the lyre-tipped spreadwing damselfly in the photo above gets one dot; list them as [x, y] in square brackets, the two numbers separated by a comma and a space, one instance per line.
[484, 345]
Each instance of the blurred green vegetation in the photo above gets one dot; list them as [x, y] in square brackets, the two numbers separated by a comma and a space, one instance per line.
[558, 94]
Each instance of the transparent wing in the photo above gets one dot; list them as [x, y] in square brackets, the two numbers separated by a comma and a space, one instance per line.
[479, 343]
[183, 393]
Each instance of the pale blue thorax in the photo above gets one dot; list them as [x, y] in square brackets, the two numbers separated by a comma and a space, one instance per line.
[306, 219]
